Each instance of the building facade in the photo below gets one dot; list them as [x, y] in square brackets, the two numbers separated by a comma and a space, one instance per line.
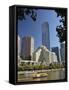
[62, 50]
[42, 55]
[57, 52]
[53, 57]
[19, 46]
[46, 35]
[27, 47]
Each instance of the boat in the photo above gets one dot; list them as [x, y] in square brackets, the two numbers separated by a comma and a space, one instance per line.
[39, 75]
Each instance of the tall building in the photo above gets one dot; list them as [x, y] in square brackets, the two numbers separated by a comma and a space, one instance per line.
[46, 35]
[27, 47]
[19, 46]
[53, 57]
[62, 50]
[57, 52]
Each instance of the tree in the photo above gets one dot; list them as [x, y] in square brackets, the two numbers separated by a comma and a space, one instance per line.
[61, 30]
[22, 13]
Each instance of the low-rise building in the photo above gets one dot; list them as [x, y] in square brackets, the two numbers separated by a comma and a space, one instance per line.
[42, 55]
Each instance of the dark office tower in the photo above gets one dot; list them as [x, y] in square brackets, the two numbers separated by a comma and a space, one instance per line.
[27, 47]
[46, 35]
[57, 52]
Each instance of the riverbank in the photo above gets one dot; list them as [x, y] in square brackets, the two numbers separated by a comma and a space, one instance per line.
[22, 72]
[52, 74]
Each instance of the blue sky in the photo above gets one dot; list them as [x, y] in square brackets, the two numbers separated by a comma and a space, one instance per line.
[30, 28]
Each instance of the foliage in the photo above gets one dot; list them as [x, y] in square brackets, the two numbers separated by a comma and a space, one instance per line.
[22, 13]
[61, 30]
[25, 66]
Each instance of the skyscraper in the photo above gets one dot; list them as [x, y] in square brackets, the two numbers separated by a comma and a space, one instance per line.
[62, 50]
[57, 51]
[46, 35]
[53, 57]
[19, 46]
[27, 47]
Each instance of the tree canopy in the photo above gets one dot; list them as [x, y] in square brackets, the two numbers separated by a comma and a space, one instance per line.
[22, 13]
[61, 30]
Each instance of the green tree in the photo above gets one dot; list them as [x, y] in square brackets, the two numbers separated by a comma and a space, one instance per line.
[62, 30]
[23, 12]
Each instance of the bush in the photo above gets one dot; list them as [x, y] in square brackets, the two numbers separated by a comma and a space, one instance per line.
[26, 66]
[20, 69]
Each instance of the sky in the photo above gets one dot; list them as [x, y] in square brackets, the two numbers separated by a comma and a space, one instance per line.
[30, 28]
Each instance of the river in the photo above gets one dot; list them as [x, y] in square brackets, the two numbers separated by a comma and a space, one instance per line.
[52, 75]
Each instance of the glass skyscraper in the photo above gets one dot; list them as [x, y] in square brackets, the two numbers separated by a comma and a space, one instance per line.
[62, 50]
[57, 52]
[46, 35]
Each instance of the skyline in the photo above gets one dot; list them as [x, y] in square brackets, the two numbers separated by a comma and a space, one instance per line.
[30, 28]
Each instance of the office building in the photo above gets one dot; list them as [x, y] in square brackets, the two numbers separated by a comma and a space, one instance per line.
[57, 52]
[27, 47]
[19, 46]
[53, 57]
[62, 50]
[46, 35]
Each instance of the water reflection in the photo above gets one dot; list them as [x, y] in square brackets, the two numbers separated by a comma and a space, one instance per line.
[52, 75]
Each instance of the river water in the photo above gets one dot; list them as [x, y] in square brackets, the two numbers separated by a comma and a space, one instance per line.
[52, 75]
